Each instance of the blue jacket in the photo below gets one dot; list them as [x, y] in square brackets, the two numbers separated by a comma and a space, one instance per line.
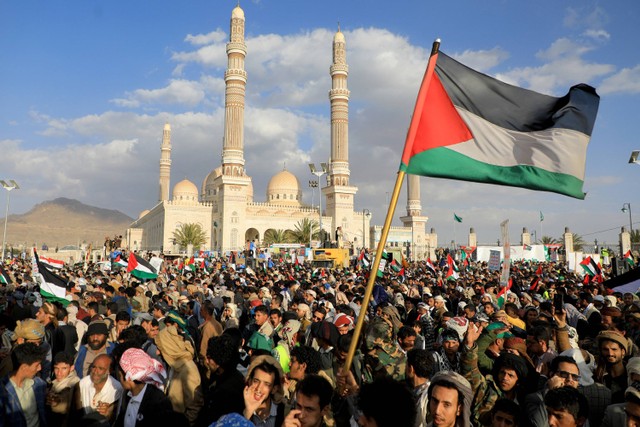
[82, 355]
[10, 409]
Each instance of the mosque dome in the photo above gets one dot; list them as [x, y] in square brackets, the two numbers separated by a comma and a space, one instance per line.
[284, 188]
[143, 213]
[338, 37]
[208, 185]
[237, 13]
[185, 190]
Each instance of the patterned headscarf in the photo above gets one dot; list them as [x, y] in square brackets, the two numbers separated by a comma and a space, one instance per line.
[139, 366]
[289, 331]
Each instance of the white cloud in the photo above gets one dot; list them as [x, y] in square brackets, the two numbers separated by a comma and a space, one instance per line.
[625, 81]
[182, 92]
[216, 36]
[600, 35]
[482, 60]
[563, 67]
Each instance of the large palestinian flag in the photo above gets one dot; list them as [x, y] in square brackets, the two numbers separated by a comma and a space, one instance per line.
[52, 287]
[471, 127]
[140, 268]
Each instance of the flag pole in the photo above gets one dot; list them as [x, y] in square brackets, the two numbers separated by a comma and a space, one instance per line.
[411, 133]
[374, 271]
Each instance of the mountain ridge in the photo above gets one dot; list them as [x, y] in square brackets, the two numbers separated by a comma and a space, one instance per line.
[64, 221]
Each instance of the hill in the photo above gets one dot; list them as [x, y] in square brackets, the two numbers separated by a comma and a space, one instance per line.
[63, 221]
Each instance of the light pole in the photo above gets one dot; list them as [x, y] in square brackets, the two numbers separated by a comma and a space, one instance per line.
[366, 214]
[319, 173]
[12, 186]
[313, 185]
[627, 207]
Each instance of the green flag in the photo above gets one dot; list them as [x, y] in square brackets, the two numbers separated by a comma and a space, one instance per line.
[541, 217]
[457, 218]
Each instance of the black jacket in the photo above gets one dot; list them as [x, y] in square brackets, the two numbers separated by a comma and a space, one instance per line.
[155, 409]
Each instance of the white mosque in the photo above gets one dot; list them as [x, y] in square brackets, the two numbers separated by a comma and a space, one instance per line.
[224, 206]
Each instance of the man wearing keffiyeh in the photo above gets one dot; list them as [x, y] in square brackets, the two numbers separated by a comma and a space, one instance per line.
[145, 404]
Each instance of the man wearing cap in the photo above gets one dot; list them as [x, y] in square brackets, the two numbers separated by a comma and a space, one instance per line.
[490, 344]
[96, 345]
[160, 310]
[610, 369]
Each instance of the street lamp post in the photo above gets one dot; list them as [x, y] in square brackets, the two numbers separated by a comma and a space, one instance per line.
[313, 185]
[627, 207]
[366, 214]
[319, 172]
[12, 185]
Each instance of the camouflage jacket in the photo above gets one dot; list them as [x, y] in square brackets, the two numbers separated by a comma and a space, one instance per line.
[383, 355]
[486, 391]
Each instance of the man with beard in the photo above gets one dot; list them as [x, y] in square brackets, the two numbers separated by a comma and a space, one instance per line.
[96, 345]
[99, 391]
[611, 370]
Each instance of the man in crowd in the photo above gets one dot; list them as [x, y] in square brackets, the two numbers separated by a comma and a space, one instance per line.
[22, 393]
[96, 345]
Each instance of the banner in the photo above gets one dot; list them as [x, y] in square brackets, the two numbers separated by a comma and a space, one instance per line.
[494, 260]
[506, 250]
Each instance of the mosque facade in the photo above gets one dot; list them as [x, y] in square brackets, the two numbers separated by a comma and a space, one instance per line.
[224, 205]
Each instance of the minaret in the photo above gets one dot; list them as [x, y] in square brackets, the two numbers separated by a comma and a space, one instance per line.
[413, 196]
[415, 220]
[165, 163]
[233, 184]
[339, 194]
[339, 97]
[235, 79]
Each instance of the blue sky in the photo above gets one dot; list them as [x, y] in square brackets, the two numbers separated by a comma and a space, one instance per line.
[87, 86]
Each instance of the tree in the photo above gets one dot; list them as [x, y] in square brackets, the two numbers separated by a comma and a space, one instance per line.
[635, 236]
[303, 230]
[190, 234]
[548, 240]
[275, 236]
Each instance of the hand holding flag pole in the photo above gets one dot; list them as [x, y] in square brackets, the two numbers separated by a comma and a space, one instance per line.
[411, 134]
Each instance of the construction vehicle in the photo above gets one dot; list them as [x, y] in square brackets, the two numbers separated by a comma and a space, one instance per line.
[331, 258]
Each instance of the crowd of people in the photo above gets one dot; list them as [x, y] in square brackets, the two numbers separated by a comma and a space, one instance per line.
[267, 347]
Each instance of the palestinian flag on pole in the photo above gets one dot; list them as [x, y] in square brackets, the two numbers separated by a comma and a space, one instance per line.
[471, 127]
[452, 274]
[4, 276]
[52, 263]
[140, 268]
[120, 262]
[502, 295]
[628, 257]
[52, 287]
[590, 267]
[386, 257]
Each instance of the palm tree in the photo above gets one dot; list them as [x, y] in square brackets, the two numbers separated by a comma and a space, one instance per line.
[635, 236]
[275, 236]
[304, 229]
[548, 240]
[190, 234]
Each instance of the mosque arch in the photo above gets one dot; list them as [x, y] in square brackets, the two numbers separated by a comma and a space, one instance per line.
[252, 234]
